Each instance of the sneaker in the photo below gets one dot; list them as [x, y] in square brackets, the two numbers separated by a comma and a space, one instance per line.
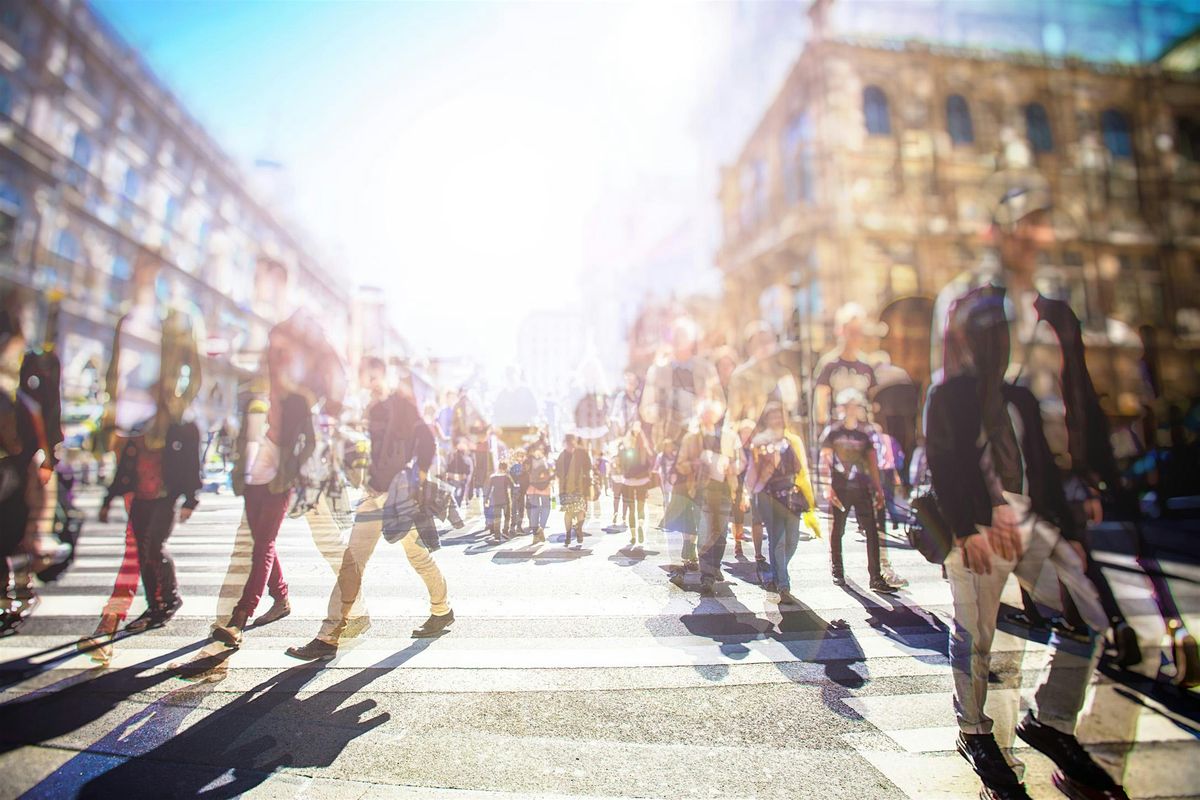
[707, 587]
[839, 579]
[890, 576]
[1125, 639]
[1077, 766]
[316, 650]
[691, 566]
[984, 756]
[278, 610]
[883, 587]
[434, 626]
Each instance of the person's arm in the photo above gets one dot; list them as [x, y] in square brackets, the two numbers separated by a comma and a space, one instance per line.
[831, 497]
[873, 471]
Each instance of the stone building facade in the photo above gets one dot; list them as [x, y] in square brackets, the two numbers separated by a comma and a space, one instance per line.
[101, 171]
[864, 180]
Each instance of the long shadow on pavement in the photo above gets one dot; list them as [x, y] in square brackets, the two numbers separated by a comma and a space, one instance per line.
[239, 746]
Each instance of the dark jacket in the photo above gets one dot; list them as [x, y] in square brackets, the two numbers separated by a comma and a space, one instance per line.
[574, 472]
[399, 438]
[952, 426]
[180, 465]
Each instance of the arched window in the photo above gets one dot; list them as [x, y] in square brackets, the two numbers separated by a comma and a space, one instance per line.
[1037, 128]
[6, 96]
[1117, 133]
[958, 120]
[875, 111]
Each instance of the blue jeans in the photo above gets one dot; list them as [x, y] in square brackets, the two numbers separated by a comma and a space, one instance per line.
[715, 506]
[539, 510]
[783, 536]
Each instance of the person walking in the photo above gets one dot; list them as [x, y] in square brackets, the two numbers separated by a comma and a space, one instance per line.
[848, 455]
[574, 472]
[537, 496]
[996, 482]
[712, 455]
[275, 460]
[777, 478]
[400, 441]
[635, 463]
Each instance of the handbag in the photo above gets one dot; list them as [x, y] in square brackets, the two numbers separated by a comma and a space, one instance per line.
[927, 529]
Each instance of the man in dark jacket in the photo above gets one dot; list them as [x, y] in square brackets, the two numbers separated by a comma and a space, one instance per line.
[997, 485]
[400, 441]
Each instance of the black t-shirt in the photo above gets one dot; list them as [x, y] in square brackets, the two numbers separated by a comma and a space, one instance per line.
[842, 374]
[852, 453]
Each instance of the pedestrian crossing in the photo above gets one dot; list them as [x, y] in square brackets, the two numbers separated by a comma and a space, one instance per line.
[586, 644]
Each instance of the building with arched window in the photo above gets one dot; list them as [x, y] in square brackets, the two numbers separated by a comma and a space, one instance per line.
[1037, 128]
[106, 170]
[876, 115]
[895, 218]
[958, 120]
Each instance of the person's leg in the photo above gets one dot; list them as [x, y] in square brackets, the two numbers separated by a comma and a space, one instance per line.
[836, 531]
[429, 573]
[976, 601]
[714, 520]
[790, 533]
[161, 527]
[639, 497]
[364, 536]
[126, 584]
[264, 513]
[140, 520]
[864, 512]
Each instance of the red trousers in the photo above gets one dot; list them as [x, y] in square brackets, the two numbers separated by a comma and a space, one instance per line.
[264, 515]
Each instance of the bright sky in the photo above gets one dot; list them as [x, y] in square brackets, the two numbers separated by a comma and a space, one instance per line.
[455, 154]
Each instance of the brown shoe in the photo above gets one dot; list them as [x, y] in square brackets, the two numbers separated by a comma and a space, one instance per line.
[278, 610]
[231, 633]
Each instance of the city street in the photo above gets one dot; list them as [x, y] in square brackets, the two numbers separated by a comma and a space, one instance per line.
[570, 672]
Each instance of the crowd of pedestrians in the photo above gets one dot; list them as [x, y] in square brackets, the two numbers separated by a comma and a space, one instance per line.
[1013, 443]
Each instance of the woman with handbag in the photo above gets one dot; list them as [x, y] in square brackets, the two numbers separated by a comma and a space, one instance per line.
[778, 480]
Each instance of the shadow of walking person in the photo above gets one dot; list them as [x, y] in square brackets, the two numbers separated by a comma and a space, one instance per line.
[239, 746]
[811, 639]
[53, 712]
[911, 627]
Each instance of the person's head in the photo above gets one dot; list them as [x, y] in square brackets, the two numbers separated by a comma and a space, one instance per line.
[852, 406]
[372, 375]
[759, 339]
[1022, 225]
[684, 336]
[537, 451]
[669, 447]
[569, 441]
[632, 383]
[773, 419]
[725, 360]
[850, 324]
[709, 413]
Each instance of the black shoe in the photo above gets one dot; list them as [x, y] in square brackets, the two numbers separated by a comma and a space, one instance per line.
[883, 587]
[1067, 753]
[691, 566]
[1074, 632]
[786, 598]
[163, 614]
[707, 587]
[984, 755]
[316, 650]
[1004, 793]
[434, 626]
[1036, 621]
[1125, 638]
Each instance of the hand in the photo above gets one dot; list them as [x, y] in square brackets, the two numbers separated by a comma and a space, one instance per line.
[102, 515]
[1080, 551]
[185, 514]
[832, 498]
[878, 500]
[1094, 509]
[1005, 536]
[977, 554]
